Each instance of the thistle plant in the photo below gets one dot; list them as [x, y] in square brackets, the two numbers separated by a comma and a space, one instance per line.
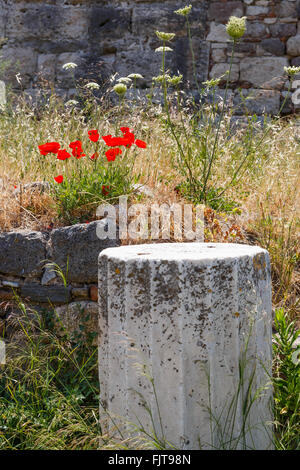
[236, 27]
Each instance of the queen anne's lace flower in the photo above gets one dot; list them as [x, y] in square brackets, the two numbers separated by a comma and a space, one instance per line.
[165, 36]
[135, 76]
[292, 70]
[71, 103]
[175, 80]
[69, 66]
[184, 11]
[212, 83]
[92, 86]
[163, 49]
[125, 80]
[161, 78]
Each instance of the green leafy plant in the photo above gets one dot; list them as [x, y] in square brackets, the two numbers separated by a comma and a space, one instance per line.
[286, 380]
[200, 143]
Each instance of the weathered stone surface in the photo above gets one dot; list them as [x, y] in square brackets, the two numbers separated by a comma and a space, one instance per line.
[258, 102]
[21, 60]
[79, 320]
[79, 246]
[46, 66]
[256, 10]
[221, 12]
[183, 313]
[220, 69]
[105, 38]
[282, 30]
[147, 18]
[264, 72]
[80, 292]
[274, 46]
[293, 46]
[22, 253]
[255, 30]
[48, 276]
[45, 294]
[64, 77]
[217, 33]
[296, 61]
[286, 9]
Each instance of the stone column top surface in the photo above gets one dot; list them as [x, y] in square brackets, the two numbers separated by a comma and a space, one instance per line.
[182, 251]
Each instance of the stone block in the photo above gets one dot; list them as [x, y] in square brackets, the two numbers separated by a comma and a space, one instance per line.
[79, 320]
[188, 318]
[22, 253]
[79, 247]
[22, 60]
[259, 102]
[46, 66]
[282, 30]
[255, 10]
[217, 33]
[66, 78]
[255, 30]
[274, 46]
[220, 69]
[263, 72]
[80, 292]
[39, 20]
[220, 12]
[45, 294]
[286, 9]
[108, 22]
[296, 61]
[293, 46]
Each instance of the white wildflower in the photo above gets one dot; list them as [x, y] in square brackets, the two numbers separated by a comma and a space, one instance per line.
[69, 66]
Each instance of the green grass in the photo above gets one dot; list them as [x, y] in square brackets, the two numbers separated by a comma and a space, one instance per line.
[49, 392]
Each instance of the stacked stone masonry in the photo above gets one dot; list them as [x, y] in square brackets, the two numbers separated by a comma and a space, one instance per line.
[104, 37]
[27, 262]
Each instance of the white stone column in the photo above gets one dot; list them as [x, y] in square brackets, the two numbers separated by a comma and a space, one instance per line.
[193, 322]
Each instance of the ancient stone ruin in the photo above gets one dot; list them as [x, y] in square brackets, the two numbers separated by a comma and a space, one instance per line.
[193, 320]
[27, 272]
[105, 37]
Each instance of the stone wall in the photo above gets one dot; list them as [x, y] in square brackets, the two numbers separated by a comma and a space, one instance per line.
[104, 37]
[23, 271]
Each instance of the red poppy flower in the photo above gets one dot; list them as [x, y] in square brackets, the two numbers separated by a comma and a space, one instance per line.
[105, 189]
[112, 153]
[140, 143]
[63, 155]
[77, 149]
[94, 156]
[124, 130]
[128, 136]
[113, 141]
[94, 135]
[49, 147]
[59, 178]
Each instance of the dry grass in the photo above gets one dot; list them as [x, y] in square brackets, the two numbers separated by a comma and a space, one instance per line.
[268, 190]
